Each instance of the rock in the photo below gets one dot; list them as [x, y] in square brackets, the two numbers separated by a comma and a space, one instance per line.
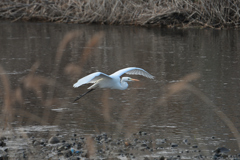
[43, 142]
[195, 146]
[67, 153]
[160, 141]
[75, 158]
[84, 153]
[162, 158]
[2, 144]
[142, 148]
[79, 145]
[3, 138]
[174, 145]
[144, 145]
[221, 150]
[67, 146]
[36, 143]
[142, 133]
[53, 140]
[60, 148]
[108, 140]
[185, 141]
[3, 155]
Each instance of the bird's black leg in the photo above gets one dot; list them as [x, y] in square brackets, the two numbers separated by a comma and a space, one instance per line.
[80, 96]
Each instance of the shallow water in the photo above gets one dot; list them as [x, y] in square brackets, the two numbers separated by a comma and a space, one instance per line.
[168, 54]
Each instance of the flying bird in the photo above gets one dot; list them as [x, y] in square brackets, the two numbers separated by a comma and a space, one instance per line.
[113, 81]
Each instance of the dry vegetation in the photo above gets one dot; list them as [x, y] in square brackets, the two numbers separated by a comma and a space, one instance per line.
[170, 13]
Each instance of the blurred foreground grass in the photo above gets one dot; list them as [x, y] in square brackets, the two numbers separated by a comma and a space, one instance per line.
[33, 82]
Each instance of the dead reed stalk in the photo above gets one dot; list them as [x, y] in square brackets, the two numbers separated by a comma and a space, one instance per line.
[7, 109]
[76, 69]
[184, 85]
[184, 13]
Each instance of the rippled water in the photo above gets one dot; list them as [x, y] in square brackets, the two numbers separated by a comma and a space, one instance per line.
[168, 54]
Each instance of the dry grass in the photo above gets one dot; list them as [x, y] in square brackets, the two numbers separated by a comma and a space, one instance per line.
[171, 13]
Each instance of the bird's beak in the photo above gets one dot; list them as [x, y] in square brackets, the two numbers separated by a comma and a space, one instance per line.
[134, 79]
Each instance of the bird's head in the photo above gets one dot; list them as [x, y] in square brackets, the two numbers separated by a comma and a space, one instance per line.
[128, 79]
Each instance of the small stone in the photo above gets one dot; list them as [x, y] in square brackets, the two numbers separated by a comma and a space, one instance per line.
[174, 145]
[126, 143]
[195, 146]
[108, 140]
[160, 141]
[3, 138]
[60, 148]
[2, 144]
[142, 133]
[162, 158]
[3, 155]
[84, 153]
[67, 146]
[53, 140]
[144, 145]
[185, 141]
[36, 143]
[67, 153]
[79, 145]
[221, 150]
[142, 148]
[43, 141]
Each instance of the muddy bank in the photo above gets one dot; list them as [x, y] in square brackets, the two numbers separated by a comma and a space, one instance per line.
[140, 145]
[183, 13]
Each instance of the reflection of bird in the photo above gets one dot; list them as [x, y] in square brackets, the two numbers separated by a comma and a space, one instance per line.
[102, 80]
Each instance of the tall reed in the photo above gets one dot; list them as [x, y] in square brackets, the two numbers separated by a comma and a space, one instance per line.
[174, 13]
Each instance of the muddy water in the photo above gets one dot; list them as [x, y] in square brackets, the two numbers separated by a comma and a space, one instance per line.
[168, 54]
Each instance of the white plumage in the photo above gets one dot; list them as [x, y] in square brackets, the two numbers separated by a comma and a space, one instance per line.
[113, 81]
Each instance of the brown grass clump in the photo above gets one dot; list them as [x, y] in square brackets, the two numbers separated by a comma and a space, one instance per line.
[183, 13]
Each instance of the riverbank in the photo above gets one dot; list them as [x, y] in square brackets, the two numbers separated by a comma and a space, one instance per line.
[139, 145]
[175, 13]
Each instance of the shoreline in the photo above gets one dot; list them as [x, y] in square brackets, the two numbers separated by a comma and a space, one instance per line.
[183, 14]
[140, 145]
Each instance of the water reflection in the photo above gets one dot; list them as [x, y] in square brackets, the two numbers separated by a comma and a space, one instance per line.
[168, 54]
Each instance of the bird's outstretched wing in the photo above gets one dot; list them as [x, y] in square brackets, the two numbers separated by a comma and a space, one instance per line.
[133, 71]
[91, 78]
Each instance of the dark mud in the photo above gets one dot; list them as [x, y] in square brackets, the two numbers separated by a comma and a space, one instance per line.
[102, 146]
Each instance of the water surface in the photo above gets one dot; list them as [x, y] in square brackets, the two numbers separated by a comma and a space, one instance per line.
[168, 54]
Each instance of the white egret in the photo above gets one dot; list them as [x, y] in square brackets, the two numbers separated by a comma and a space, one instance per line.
[113, 81]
